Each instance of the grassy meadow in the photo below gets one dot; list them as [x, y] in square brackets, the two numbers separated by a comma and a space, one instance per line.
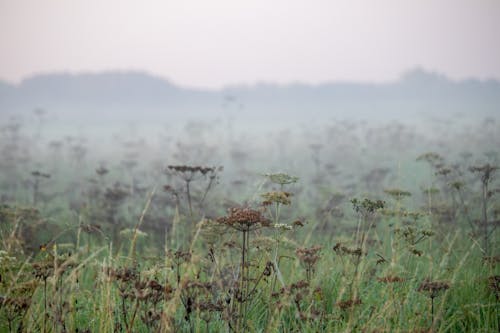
[345, 226]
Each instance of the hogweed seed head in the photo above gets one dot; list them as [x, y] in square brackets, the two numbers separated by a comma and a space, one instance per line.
[309, 256]
[433, 288]
[485, 171]
[281, 178]
[279, 197]
[344, 305]
[397, 193]
[244, 219]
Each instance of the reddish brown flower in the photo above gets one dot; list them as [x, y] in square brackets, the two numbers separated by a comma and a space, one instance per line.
[244, 219]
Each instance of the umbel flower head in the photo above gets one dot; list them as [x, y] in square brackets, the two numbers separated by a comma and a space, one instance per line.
[309, 255]
[279, 197]
[433, 288]
[244, 219]
[281, 178]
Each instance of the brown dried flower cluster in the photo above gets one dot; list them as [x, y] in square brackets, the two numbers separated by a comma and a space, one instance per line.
[43, 270]
[197, 295]
[124, 274]
[486, 171]
[192, 169]
[145, 294]
[308, 255]
[282, 178]
[491, 260]
[244, 219]
[297, 291]
[18, 304]
[344, 250]
[494, 285]
[298, 285]
[344, 305]
[397, 193]
[433, 287]
[179, 256]
[279, 197]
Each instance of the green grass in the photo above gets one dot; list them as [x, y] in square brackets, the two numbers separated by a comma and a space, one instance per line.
[85, 297]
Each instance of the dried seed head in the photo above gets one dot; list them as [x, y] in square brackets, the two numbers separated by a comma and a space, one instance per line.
[268, 269]
[309, 256]
[244, 219]
[367, 206]
[397, 193]
[344, 305]
[433, 287]
[281, 178]
[344, 250]
[485, 171]
[494, 285]
[279, 197]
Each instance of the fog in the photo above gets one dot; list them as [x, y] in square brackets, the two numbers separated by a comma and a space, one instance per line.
[331, 134]
[353, 122]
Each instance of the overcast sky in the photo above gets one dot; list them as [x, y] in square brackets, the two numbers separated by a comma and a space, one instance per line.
[212, 43]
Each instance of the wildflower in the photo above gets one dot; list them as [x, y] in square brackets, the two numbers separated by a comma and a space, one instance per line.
[309, 257]
[433, 287]
[367, 206]
[432, 158]
[344, 305]
[281, 178]
[486, 171]
[494, 285]
[344, 250]
[282, 226]
[397, 193]
[244, 219]
[279, 197]
[492, 260]
[268, 269]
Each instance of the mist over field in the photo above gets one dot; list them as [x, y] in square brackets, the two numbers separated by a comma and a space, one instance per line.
[249, 166]
[101, 105]
[337, 135]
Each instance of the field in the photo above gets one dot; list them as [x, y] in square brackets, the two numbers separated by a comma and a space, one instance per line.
[347, 226]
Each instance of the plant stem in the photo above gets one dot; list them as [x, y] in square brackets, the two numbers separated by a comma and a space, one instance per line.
[188, 193]
[133, 316]
[485, 217]
[432, 311]
[44, 303]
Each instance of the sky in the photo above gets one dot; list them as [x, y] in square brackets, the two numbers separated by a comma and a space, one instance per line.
[215, 43]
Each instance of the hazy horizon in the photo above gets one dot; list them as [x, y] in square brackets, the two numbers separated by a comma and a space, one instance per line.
[402, 76]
